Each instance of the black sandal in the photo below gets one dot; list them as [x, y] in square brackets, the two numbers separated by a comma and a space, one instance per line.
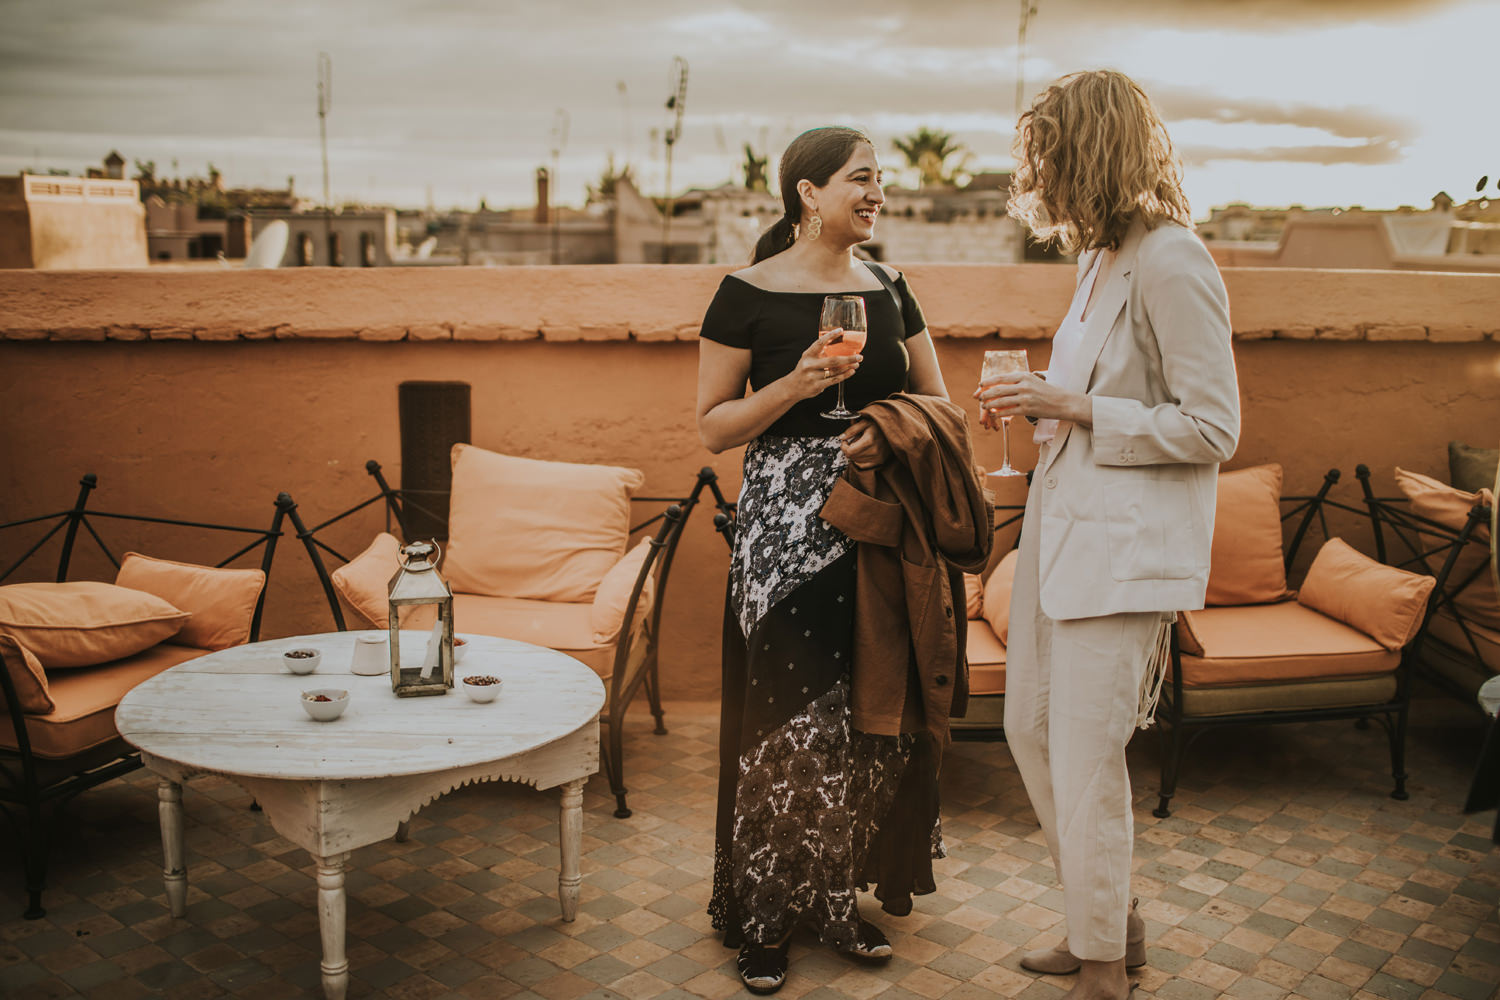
[763, 967]
[872, 947]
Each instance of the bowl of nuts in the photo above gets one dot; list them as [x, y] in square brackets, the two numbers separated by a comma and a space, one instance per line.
[325, 704]
[301, 661]
[481, 687]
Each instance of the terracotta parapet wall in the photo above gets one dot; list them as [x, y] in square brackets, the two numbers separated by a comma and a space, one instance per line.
[205, 393]
[654, 304]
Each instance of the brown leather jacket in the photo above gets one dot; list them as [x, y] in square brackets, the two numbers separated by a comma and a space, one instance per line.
[920, 520]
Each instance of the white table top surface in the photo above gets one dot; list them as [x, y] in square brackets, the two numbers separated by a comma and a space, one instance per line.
[238, 711]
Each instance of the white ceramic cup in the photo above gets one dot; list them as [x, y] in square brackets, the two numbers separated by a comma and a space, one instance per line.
[371, 655]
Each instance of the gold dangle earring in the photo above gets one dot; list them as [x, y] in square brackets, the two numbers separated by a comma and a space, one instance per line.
[814, 226]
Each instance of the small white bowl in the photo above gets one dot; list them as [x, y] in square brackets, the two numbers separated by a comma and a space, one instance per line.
[325, 711]
[481, 693]
[460, 647]
[305, 664]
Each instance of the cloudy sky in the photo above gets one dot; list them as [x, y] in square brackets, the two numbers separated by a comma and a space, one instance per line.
[1319, 102]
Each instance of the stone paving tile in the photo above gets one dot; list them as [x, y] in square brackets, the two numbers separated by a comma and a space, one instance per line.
[1285, 871]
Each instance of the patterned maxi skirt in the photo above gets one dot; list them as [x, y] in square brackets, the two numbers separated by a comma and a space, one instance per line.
[810, 809]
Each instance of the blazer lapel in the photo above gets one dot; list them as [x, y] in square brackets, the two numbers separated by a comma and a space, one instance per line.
[1109, 299]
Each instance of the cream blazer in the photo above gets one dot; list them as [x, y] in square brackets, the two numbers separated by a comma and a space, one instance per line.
[1124, 513]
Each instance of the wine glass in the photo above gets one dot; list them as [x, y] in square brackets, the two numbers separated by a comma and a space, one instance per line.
[1004, 363]
[846, 313]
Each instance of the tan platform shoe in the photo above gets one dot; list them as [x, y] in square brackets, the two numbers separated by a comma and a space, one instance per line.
[1059, 961]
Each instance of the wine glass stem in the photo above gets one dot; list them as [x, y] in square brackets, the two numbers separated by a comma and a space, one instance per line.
[1005, 440]
[840, 407]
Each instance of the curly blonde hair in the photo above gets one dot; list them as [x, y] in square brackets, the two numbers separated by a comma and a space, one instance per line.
[1093, 156]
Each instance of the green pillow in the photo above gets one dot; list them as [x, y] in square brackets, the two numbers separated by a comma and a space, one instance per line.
[1471, 469]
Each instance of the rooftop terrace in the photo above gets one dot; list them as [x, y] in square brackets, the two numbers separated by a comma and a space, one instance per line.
[1285, 870]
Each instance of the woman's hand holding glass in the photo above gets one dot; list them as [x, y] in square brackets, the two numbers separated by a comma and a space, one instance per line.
[814, 372]
[1025, 394]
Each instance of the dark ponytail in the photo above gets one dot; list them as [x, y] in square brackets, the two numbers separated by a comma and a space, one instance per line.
[814, 155]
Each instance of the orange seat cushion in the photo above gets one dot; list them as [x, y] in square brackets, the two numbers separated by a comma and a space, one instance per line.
[1385, 603]
[1268, 643]
[986, 660]
[607, 614]
[1246, 562]
[997, 591]
[85, 623]
[363, 583]
[567, 628]
[85, 700]
[1479, 602]
[523, 528]
[973, 596]
[26, 676]
[221, 601]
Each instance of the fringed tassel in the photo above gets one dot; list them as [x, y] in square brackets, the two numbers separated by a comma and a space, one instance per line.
[1156, 672]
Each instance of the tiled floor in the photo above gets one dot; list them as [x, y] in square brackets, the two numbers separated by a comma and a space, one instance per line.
[1285, 870]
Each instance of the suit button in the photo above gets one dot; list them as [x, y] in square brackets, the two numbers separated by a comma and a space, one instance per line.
[948, 612]
[1051, 482]
[942, 680]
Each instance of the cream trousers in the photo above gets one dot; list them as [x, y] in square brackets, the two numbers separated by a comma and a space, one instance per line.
[1071, 695]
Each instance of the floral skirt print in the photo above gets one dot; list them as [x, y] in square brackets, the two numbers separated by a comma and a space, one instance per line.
[804, 798]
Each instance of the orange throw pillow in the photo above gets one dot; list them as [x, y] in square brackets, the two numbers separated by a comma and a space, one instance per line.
[83, 624]
[544, 531]
[973, 597]
[997, 591]
[1479, 602]
[365, 581]
[608, 613]
[1385, 603]
[1247, 563]
[26, 676]
[221, 601]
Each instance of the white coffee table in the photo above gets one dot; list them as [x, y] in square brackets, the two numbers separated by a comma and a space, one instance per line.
[330, 787]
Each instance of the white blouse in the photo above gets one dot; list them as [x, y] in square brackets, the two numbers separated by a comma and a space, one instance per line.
[1065, 343]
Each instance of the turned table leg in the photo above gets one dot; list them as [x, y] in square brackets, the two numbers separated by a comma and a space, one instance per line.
[570, 841]
[331, 922]
[174, 870]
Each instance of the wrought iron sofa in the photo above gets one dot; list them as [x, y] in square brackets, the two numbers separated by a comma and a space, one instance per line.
[57, 733]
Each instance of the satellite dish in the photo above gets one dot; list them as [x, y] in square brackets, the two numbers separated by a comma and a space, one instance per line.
[425, 248]
[267, 249]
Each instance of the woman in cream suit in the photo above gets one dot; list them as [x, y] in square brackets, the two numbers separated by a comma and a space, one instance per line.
[1137, 409]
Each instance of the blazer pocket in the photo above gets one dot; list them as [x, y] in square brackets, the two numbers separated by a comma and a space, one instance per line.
[1149, 530]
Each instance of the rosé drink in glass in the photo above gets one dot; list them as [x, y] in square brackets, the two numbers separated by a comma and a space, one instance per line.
[1004, 363]
[846, 314]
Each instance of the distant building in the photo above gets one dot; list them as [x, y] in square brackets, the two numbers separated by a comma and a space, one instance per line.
[721, 225]
[198, 218]
[71, 222]
[1446, 237]
[358, 238]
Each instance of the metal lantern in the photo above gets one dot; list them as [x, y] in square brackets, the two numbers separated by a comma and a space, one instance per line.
[416, 584]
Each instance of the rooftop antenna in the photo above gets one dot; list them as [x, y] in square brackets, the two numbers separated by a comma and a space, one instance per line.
[325, 101]
[677, 103]
[559, 142]
[1028, 11]
[625, 107]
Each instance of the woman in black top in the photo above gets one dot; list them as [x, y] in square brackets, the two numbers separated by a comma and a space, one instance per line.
[804, 798]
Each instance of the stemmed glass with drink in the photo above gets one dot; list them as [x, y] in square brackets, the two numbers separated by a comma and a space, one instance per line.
[1004, 363]
[844, 314]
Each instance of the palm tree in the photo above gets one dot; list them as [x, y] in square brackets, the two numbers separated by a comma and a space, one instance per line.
[604, 190]
[755, 170]
[928, 152]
